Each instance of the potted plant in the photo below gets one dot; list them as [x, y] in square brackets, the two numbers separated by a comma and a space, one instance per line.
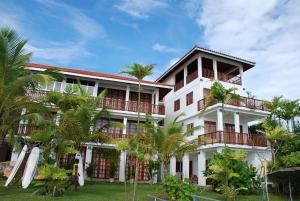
[112, 171]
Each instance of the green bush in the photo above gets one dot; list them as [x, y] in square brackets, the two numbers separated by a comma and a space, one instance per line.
[90, 170]
[179, 190]
[232, 166]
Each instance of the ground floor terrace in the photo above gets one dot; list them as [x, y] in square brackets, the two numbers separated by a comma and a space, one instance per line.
[193, 165]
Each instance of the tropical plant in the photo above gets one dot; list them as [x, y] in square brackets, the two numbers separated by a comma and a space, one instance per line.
[169, 141]
[152, 168]
[179, 190]
[139, 72]
[16, 82]
[53, 180]
[230, 173]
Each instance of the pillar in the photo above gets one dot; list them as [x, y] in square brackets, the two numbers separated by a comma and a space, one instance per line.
[184, 75]
[127, 97]
[172, 166]
[237, 125]
[241, 75]
[63, 86]
[199, 59]
[155, 158]
[220, 126]
[186, 166]
[122, 166]
[215, 68]
[156, 96]
[124, 126]
[88, 156]
[95, 90]
[201, 168]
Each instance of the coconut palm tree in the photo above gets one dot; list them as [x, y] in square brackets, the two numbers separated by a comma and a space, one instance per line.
[274, 106]
[15, 81]
[288, 111]
[220, 94]
[170, 140]
[139, 72]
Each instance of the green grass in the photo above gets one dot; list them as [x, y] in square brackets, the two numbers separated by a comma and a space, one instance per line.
[99, 191]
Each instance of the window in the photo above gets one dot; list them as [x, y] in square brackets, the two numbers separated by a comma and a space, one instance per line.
[189, 98]
[179, 80]
[176, 105]
[192, 71]
[189, 127]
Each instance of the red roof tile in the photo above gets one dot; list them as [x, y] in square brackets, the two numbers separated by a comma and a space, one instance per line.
[90, 73]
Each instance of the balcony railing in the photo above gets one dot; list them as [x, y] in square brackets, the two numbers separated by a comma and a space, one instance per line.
[229, 78]
[178, 85]
[232, 138]
[27, 129]
[117, 104]
[246, 102]
[191, 76]
[132, 106]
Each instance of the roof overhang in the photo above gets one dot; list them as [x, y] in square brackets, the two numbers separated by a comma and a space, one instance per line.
[196, 49]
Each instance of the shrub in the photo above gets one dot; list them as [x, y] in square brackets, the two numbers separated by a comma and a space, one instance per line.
[179, 190]
[90, 170]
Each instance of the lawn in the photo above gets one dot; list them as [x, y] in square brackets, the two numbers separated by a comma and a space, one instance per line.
[99, 191]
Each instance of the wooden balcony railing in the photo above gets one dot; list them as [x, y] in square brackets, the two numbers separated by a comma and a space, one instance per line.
[178, 85]
[229, 78]
[132, 106]
[191, 76]
[246, 102]
[117, 104]
[232, 138]
[27, 129]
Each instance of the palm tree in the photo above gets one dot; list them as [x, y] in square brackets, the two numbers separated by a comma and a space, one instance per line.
[289, 110]
[274, 106]
[139, 72]
[170, 140]
[219, 94]
[15, 81]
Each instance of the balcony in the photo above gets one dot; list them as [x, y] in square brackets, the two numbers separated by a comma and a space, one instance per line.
[229, 78]
[131, 106]
[178, 85]
[117, 104]
[245, 102]
[191, 77]
[232, 138]
[28, 129]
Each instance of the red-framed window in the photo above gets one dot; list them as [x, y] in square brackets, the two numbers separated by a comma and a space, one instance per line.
[177, 105]
[189, 98]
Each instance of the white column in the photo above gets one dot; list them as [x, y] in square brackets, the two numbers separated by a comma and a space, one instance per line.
[122, 166]
[201, 168]
[172, 166]
[95, 91]
[127, 96]
[124, 125]
[156, 96]
[63, 86]
[215, 69]
[220, 120]
[236, 125]
[241, 74]
[88, 156]
[199, 66]
[186, 166]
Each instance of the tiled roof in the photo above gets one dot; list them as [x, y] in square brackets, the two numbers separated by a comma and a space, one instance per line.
[96, 74]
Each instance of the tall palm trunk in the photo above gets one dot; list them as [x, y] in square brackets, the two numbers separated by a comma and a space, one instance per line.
[137, 148]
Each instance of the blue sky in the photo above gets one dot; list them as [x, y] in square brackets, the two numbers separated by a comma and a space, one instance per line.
[105, 35]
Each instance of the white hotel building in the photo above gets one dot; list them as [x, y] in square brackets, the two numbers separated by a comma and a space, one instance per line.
[181, 89]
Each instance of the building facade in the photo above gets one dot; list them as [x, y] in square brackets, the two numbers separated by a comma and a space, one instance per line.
[183, 88]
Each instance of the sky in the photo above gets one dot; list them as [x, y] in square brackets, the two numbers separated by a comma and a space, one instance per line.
[106, 35]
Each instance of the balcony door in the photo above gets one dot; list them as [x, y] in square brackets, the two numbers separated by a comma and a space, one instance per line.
[114, 98]
[145, 106]
[210, 127]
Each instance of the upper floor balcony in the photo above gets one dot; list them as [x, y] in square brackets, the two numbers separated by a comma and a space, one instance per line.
[250, 103]
[26, 130]
[233, 139]
[117, 104]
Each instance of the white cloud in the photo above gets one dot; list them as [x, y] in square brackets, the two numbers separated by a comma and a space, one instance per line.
[140, 8]
[162, 48]
[63, 53]
[267, 33]
[172, 62]
[76, 18]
